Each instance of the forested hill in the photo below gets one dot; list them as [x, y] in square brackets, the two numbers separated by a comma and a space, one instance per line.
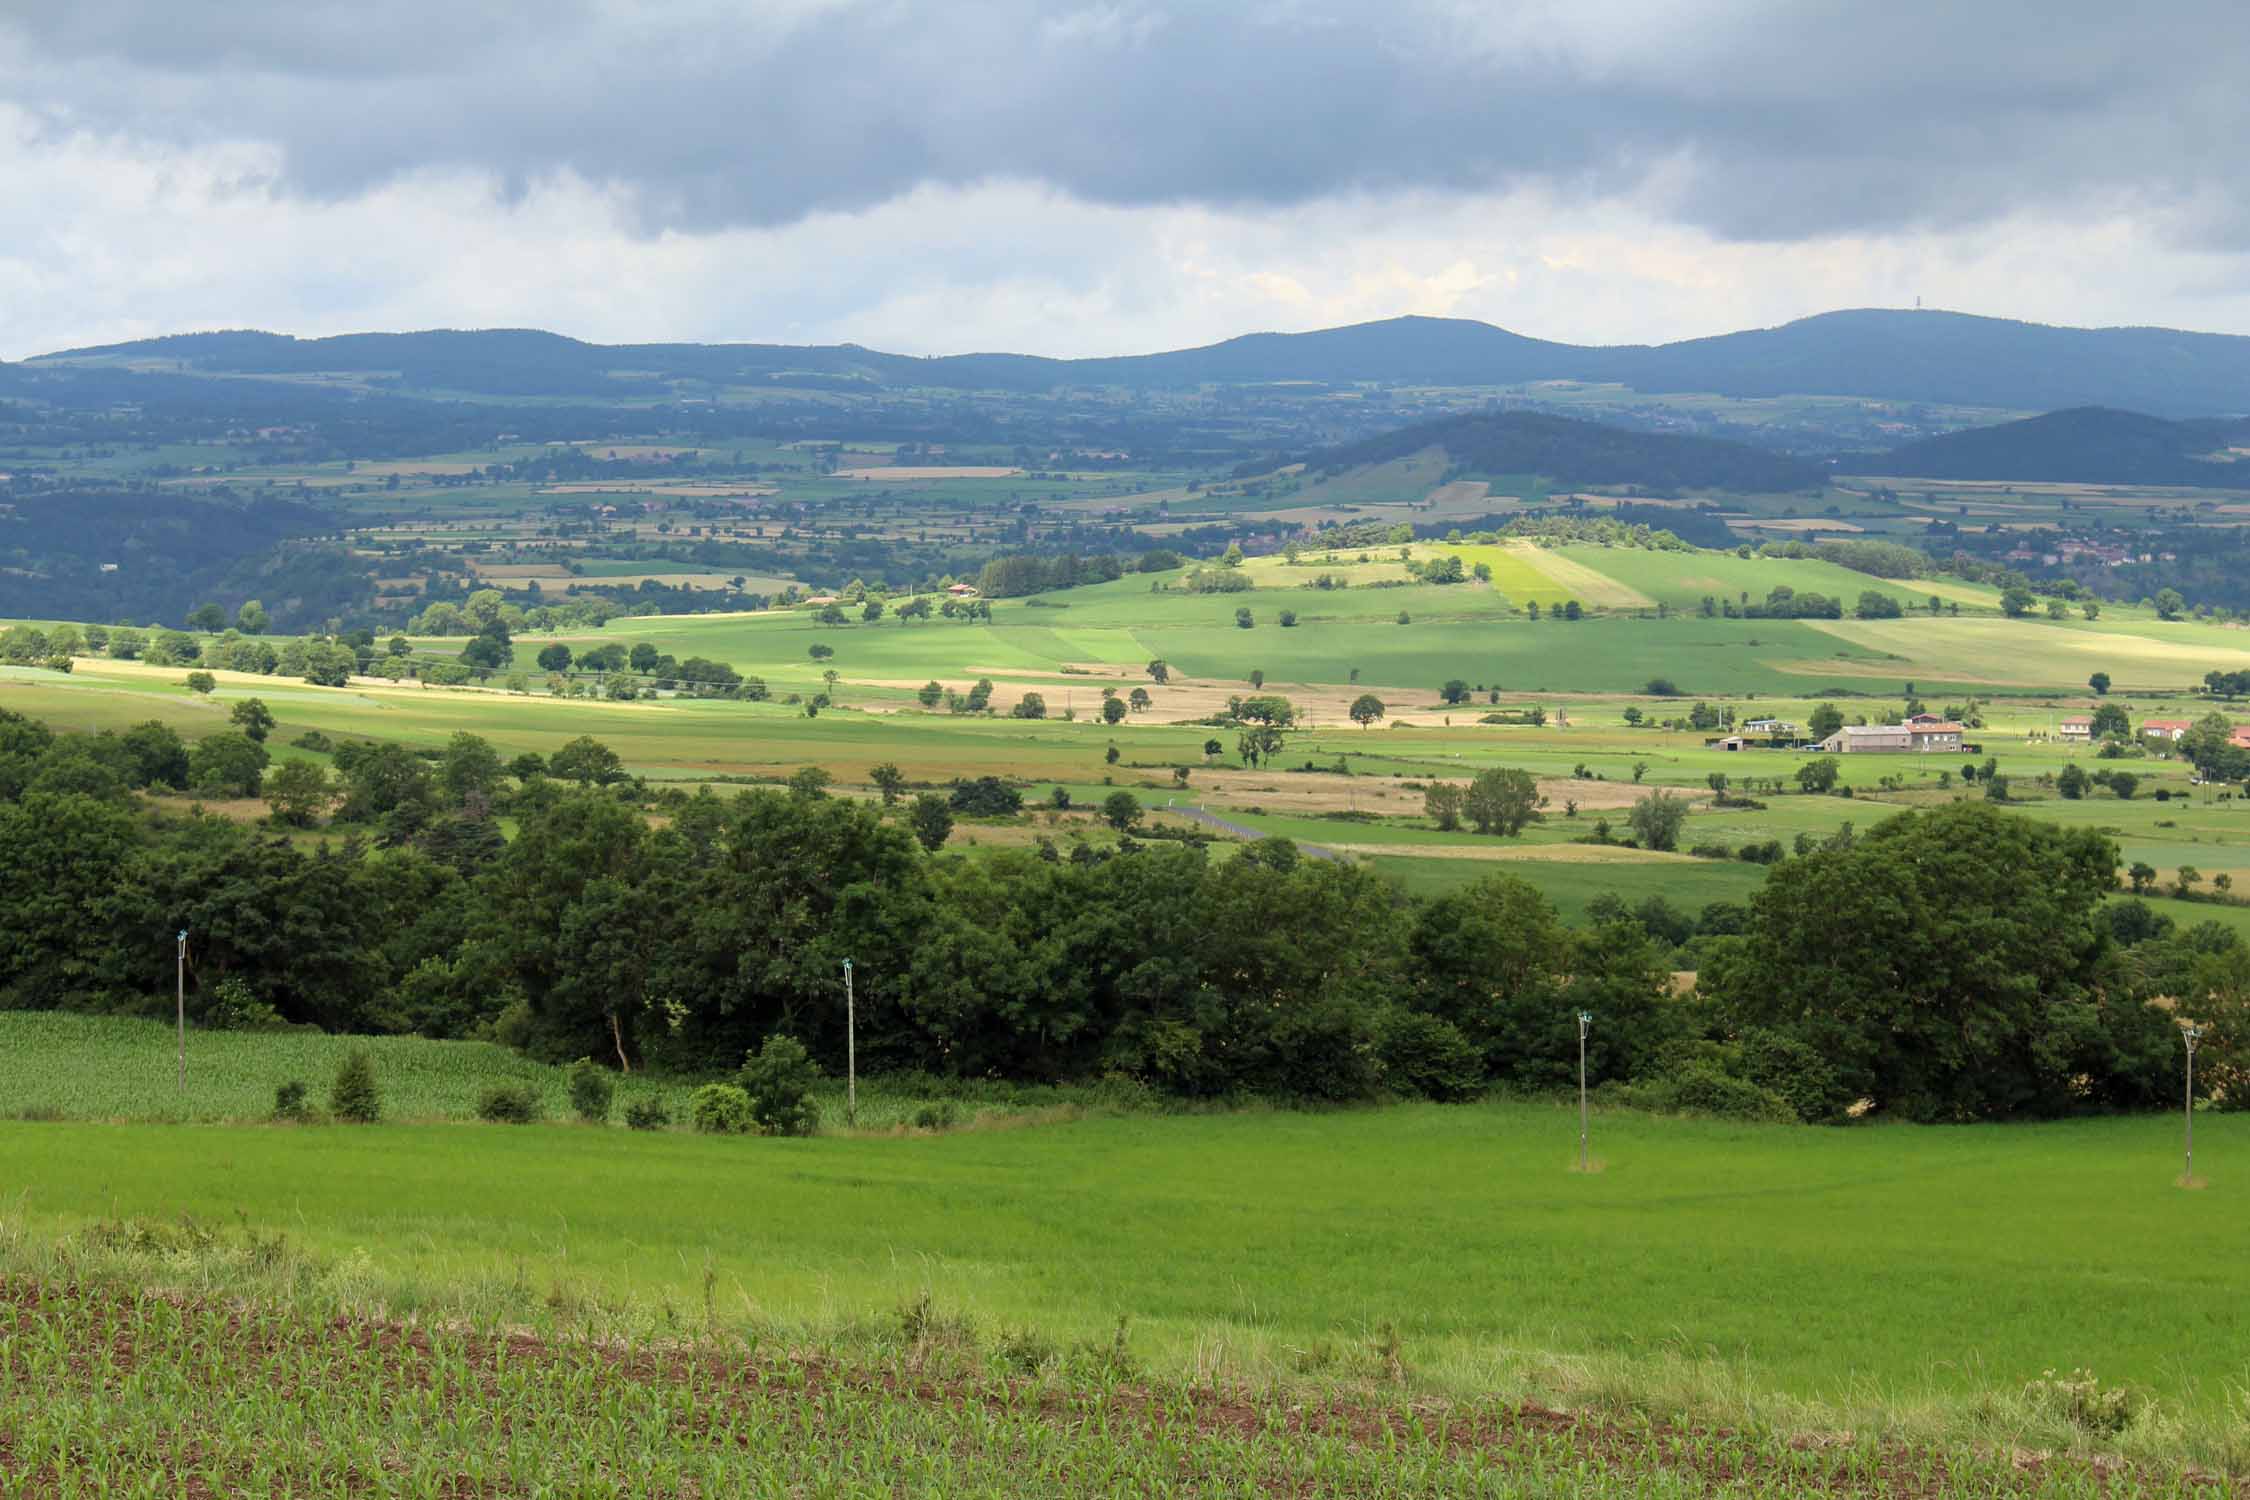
[1568, 453]
[1913, 356]
[2085, 445]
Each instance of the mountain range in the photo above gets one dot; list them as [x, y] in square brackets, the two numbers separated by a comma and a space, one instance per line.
[1907, 356]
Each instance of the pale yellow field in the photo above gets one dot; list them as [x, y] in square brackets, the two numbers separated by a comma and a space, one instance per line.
[1581, 582]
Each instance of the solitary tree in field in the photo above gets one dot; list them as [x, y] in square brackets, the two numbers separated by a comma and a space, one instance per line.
[932, 820]
[253, 718]
[1441, 800]
[2099, 682]
[1159, 671]
[1502, 801]
[1212, 749]
[930, 692]
[1243, 618]
[1257, 677]
[810, 782]
[1656, 819]
[888, 779]
[1454, 691]
[1121, 810]
[1139, 699]
[1366, 709]
[1113, 709]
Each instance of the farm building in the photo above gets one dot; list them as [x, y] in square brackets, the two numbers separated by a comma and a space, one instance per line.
[1770, 729]
[2078, 727]
[2169, 730]
[962, 590]
[1922, 733]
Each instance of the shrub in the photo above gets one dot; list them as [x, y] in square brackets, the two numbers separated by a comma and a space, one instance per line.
[356, 1099]
[508, 1104]
[647, 1113]
[590, 1091]
[1701, 1088]
[779, 1079]
[236, 1007]
[289, 1101]
[1795, 1073]
[719, 1109]
[1428, 1055]
[937, 1115]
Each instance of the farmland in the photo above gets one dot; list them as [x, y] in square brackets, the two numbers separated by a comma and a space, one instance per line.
[1245, 1249]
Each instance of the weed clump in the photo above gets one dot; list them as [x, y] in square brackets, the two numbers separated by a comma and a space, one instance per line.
[720, 1109]
[508, 1104]
[647, 1113]
[356, 1098]
[2086, 1404]
[591, 1090]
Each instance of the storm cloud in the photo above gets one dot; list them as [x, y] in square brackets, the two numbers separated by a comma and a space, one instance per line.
[1765, 120]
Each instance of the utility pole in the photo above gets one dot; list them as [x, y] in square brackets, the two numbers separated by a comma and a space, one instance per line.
[181, 1001]
[2191, 1035]
[851, 1052]
[1585, 1021]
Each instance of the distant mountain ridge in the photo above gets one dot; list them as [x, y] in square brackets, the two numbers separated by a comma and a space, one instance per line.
[1910, 356]
[2083, 445]
[1571, 453]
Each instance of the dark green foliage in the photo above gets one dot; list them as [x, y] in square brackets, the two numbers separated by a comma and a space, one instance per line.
[779, 1079]
[987, 797]
[647, 1113]
[508, 1104]
[720, 1109]
[591, 1089]
[932, 820]
[1946, 964]
[290, 1101]
[1427, 1055]
[356, 1098]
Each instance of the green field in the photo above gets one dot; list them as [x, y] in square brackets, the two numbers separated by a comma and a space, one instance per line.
[1892, 1266]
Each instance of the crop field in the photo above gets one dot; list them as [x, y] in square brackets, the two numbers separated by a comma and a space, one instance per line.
[1235, 1250]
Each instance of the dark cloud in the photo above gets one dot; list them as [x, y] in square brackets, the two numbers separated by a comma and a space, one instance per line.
[1756, 119]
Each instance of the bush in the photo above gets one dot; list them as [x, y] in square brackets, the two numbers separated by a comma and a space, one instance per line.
[779, 1079]
[236, 1007]
[508, 1104]
[289, 1101]
[1795, 1073]
[720, 1109]
[591, 1090]
[1701, 1088]
[356, 1099]
[1428, 1055]
[647, 1113]
[937, 1115]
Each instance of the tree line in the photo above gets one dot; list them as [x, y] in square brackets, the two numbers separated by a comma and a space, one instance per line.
[1958, 963]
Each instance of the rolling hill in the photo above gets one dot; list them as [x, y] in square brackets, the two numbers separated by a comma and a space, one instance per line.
[2084, 445]
[1936, 357]
[1568, 452]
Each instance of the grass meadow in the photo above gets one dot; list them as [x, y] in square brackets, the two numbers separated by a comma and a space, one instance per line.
[1889, 1266]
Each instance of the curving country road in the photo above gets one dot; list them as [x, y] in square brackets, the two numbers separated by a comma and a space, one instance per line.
[1213, 820]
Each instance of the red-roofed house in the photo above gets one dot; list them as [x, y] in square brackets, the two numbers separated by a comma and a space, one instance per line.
[2078, 727]
[2170, 730]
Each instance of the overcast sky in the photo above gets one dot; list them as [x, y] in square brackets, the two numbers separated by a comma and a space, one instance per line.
[1068, 179]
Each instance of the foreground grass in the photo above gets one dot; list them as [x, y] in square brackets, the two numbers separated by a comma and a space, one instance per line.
[114, 1379]
[1886, 1279]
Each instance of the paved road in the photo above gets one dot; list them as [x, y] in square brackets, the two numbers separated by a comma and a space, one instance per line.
[1213, 820]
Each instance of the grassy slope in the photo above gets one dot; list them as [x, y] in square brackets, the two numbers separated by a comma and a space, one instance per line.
[1892, 1260]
